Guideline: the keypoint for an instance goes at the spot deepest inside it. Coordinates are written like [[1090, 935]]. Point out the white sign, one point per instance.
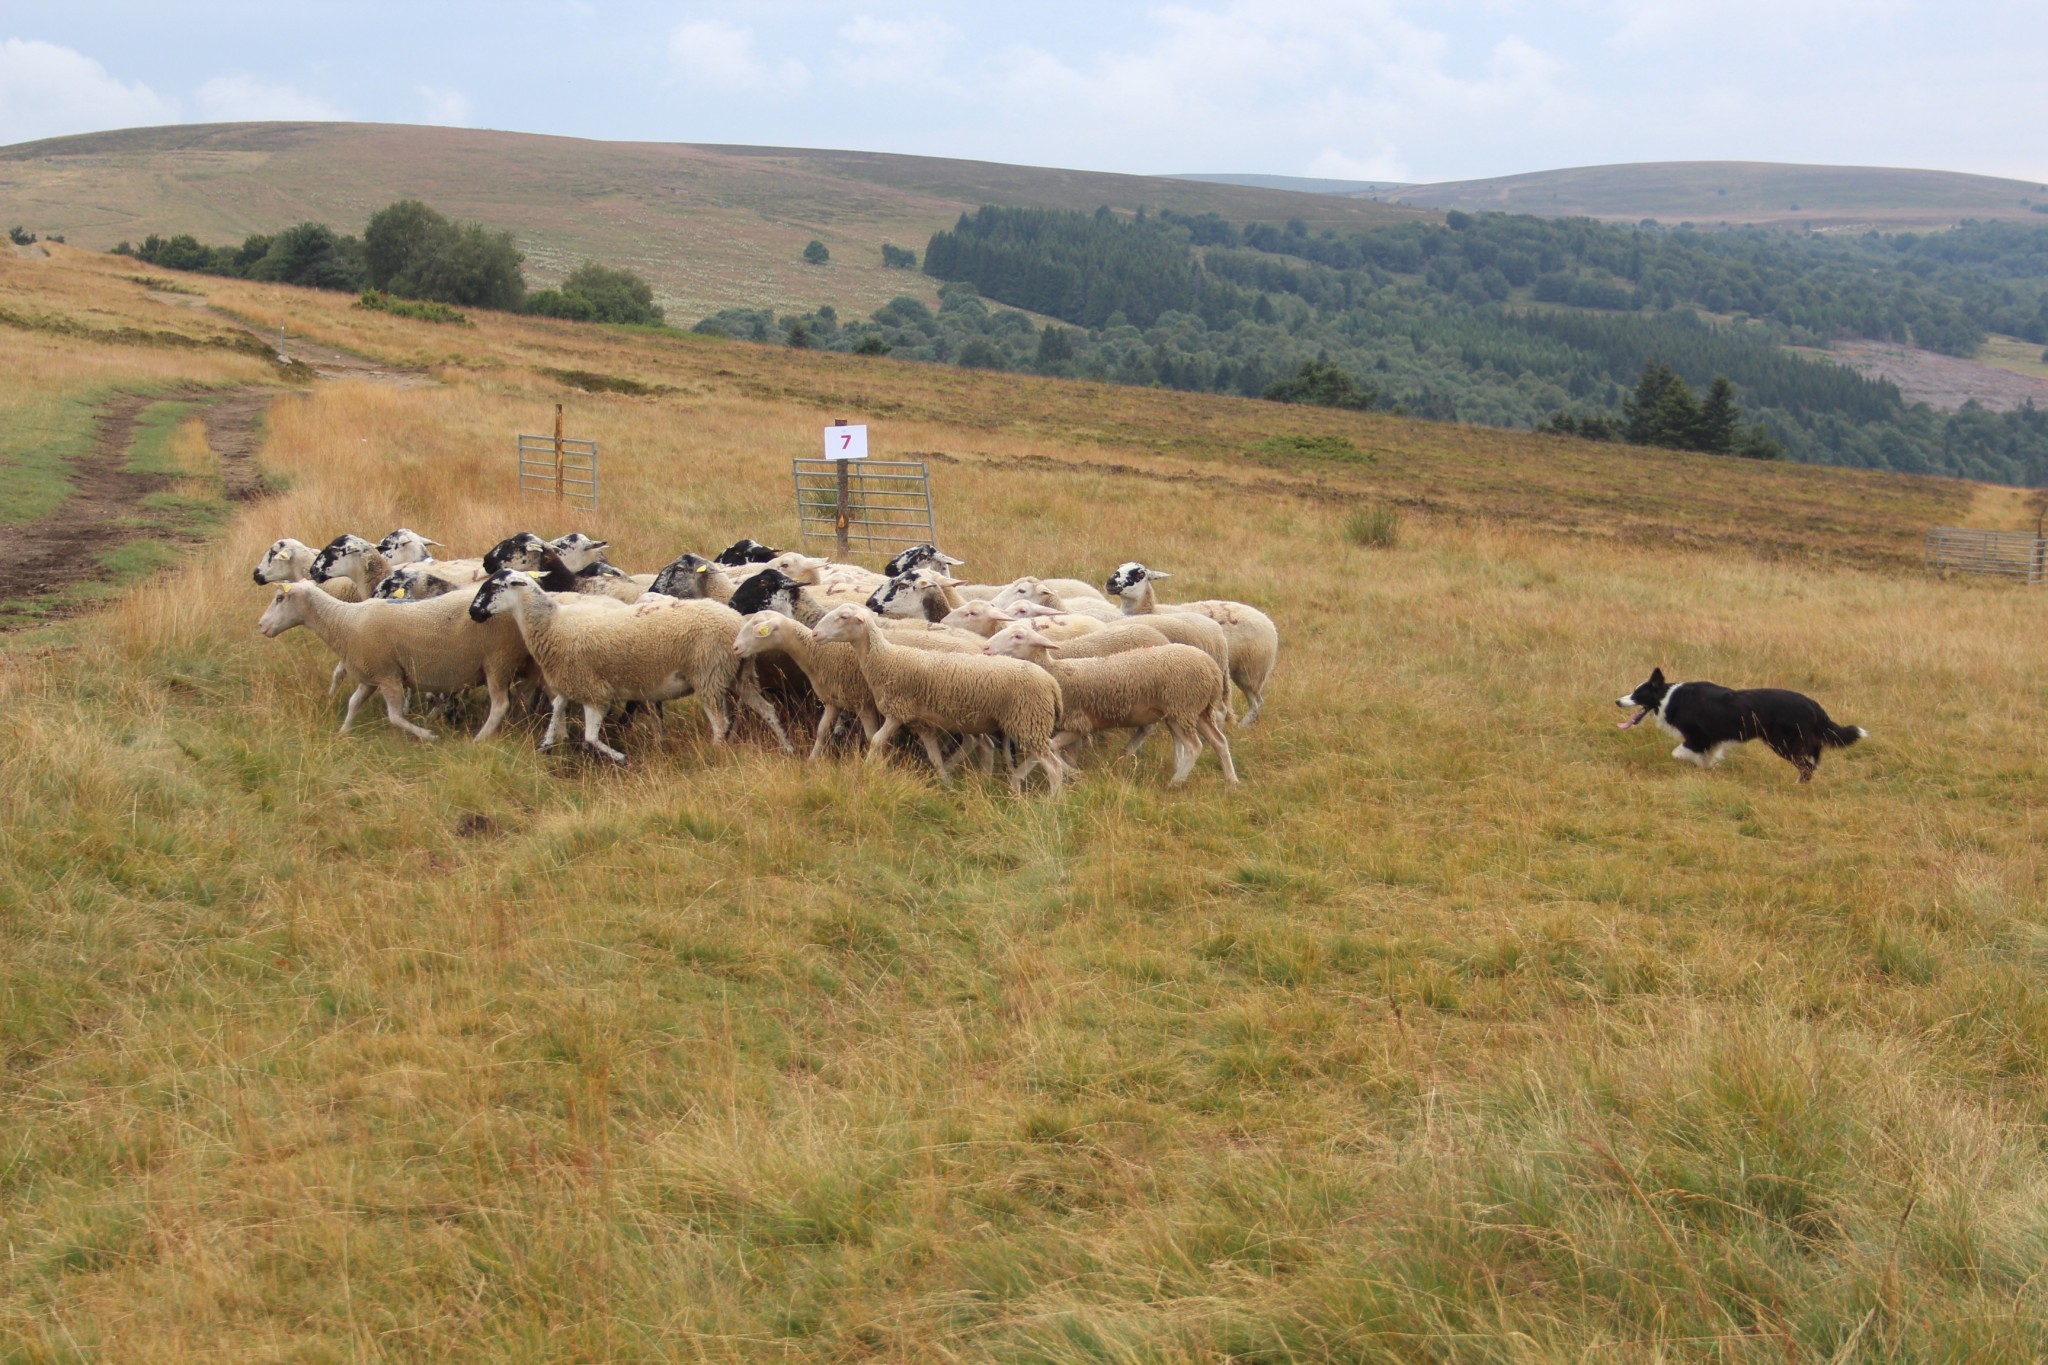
[[846, 443]]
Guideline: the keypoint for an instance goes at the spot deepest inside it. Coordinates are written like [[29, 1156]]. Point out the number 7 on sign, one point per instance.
[[846, 443]]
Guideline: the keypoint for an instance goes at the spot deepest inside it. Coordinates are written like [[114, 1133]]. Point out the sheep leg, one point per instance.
[[825, 724], [1186, 749], [1137, 740], [1221, 743], [878, 742], [394, 711], [751, 698], [501, 702], [715, 714], [1055, 772], [556, 714], [937, 755], [593, 731], [355, 702], [340, 672], [1258, 702]]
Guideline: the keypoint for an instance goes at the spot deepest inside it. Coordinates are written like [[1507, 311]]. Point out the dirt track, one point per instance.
[[61, 551]]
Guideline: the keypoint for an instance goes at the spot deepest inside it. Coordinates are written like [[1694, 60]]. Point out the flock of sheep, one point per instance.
[[1029, 669]]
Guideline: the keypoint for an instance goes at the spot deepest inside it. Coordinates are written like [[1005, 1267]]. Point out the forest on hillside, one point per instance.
[[1503, 319]]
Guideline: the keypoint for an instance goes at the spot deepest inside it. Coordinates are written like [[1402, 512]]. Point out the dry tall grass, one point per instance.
[[1468, 1029]]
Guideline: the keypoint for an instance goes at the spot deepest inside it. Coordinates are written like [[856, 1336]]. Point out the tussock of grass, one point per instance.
[[1468, 1029], [1377, 528]]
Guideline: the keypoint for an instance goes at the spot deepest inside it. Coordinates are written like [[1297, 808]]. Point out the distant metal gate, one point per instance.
[[888, 502], [2008, 554], [560, 468]]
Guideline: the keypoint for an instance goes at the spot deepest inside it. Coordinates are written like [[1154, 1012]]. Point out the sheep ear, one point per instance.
[[435, 543], [948, 559], [1154, 573]]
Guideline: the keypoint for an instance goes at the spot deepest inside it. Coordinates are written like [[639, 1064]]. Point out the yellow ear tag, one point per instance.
[[399, 594], [703, 568], [764, 630]]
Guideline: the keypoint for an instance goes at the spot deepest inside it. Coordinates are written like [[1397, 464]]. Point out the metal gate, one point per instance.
[[561, 468], [2009, 554], [888, 502]]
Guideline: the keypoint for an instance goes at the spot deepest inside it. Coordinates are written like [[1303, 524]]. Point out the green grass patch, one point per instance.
[[421, 310], [591, 382], [1338, 449], [1375, 528], [150, 452], [37, 446]]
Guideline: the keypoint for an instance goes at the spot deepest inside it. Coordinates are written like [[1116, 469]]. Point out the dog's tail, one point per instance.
[[1841, 736]]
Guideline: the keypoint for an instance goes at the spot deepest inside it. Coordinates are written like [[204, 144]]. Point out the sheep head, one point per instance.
[[502, 592]]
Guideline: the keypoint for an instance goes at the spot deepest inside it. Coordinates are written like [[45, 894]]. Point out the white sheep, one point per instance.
[[833, 670], [985, 619], [654, 650], [291, 561], [1254, 640], [387, 647], [963, 695], [1039, 591], [407, 546], [1116, 638], [1177, 686]]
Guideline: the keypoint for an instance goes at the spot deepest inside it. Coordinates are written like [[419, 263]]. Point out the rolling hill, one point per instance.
[[710, 227], [1467, 1020], [1713, 193]]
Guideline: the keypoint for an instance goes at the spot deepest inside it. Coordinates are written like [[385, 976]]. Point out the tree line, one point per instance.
[[1186, 303], [411, 251]]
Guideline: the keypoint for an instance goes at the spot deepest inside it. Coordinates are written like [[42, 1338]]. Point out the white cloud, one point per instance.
[[47, 91], [1318, 86], [244, 99], [720, 56], [894, 51], [449, 108]]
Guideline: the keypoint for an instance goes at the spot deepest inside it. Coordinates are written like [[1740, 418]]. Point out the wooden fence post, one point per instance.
[[558, 453], [839, 521]]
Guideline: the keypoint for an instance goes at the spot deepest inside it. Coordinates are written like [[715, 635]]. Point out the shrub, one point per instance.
[[979, 354], [614, 295], [815, 252], [556, 303], [1322, 383], [898, 258], [872, 344], [1337, 448], [424, 310], [20, 236], [1375, 528]]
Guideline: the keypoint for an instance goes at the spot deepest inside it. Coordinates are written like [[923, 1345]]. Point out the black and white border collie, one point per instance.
[[1709, 719]]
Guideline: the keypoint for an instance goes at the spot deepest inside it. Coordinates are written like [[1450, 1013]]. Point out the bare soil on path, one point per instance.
[[61, 551]]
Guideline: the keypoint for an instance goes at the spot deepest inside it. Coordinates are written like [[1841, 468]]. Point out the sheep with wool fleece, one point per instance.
[[656, 649], [958, 694], [833, 670], [1254, 639], [1116, 638], [1177, 686], [388, 647], [407, 546], [690, 577], [985, 619], [1039, 592]]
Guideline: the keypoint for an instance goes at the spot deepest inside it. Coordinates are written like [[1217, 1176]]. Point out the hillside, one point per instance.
[[1711, 193], [1467, 1019], [710, 227]]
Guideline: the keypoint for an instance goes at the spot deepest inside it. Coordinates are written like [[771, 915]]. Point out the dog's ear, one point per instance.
[[1657, 677]]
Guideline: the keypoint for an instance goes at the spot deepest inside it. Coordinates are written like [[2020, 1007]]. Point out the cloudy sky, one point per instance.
[[1363, 89]]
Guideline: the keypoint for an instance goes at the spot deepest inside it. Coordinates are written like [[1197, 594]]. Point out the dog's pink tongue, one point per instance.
[[1633, 721]]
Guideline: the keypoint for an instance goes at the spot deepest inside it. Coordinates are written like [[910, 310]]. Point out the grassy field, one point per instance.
[[1715, 192], [1468, 1029], [709, 227]]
